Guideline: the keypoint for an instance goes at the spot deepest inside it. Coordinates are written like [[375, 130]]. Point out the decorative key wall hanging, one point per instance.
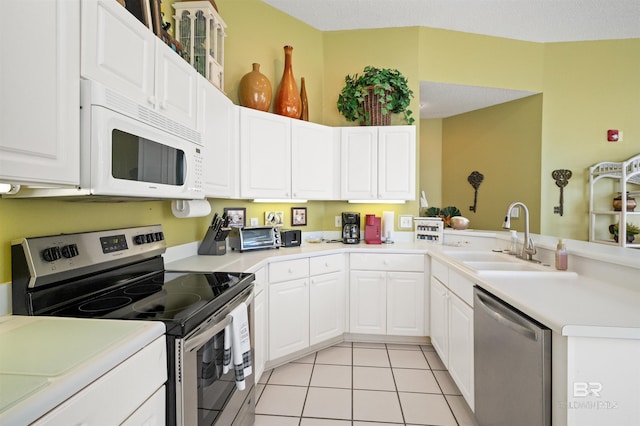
[[475, 179], [561, 176]]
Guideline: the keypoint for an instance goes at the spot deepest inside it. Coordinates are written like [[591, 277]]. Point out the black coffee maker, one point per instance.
[[350, 228]]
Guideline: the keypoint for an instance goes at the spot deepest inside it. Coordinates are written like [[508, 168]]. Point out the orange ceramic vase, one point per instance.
[[304, 102], [287, 100], [255, 90]]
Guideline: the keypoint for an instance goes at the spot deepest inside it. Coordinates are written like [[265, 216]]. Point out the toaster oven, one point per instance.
[[254, 238]]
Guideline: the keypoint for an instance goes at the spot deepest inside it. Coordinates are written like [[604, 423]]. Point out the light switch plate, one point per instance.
[[405, 222], [254, 221]]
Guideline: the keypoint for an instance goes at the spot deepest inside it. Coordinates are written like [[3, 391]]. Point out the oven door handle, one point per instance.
[[207, 334]]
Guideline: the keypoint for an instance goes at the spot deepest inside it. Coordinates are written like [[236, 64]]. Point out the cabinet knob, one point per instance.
[[291, 270], [152, 100]]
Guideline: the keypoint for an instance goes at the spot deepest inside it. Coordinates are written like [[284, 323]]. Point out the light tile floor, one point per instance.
[[362, 384]]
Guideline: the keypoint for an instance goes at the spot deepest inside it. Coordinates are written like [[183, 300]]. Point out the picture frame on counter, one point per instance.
[[237, 216], [298, 216]]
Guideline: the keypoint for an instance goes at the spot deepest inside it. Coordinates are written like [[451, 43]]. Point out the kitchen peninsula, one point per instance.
[[591, 312]]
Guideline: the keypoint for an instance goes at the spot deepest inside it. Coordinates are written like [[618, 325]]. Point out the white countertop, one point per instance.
[[568, 303], [44, 360]]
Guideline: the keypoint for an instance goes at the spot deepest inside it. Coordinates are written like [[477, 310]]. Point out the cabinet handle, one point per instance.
[[291, 270]]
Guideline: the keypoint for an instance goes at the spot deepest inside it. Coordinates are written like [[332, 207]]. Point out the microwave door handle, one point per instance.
[[206, 335]]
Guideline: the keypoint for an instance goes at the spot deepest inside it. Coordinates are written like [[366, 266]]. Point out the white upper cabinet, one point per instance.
[[124, 55], [359, 163], [397, 163], [378, 163], [286, 158], [265, 155], [315, 159], [218, 122], [40, 92]]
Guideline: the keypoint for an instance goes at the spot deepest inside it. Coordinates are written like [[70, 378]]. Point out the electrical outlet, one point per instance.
[[515, 212], [338, 221], [254, 221], [405, 222]]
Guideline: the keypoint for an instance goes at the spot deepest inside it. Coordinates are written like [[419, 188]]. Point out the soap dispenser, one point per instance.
[[561, 256], [513, 247]]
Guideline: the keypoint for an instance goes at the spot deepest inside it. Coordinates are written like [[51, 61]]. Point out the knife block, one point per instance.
[[212, 246]]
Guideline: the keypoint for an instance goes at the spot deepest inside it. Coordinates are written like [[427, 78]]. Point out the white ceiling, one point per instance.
[[543, 21]]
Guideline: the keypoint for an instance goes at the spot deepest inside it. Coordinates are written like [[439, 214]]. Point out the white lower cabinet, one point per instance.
[[452, 326], [439, 320], [368, 302], [288, 317], [461, 346], [306, 303], [326, 307], [387, 294], [260, 321]]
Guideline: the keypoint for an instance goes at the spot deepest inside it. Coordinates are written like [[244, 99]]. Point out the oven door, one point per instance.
[[204, 395]]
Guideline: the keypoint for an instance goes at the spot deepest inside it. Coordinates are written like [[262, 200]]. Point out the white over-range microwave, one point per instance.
[[128, 150]]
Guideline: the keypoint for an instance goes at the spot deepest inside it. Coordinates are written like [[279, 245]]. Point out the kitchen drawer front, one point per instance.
[[387, 262], [461, 286], [440, 271], [288, 270], [326, 264]]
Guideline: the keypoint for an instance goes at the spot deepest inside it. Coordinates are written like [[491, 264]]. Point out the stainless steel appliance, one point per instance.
[[512, 355], [350, 228], [291, 237], [119, 274], [129, 150], [254, 238]]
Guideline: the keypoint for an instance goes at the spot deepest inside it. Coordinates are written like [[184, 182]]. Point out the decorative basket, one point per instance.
[[372, 107]]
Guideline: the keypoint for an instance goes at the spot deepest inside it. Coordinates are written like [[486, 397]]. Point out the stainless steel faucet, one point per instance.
[[528, 248]]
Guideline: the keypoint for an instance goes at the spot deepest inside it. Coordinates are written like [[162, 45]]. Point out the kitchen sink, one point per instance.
[[497, 263], [506, 266], [481, 256]]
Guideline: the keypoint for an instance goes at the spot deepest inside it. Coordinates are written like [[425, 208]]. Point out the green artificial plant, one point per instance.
[[390, 84]]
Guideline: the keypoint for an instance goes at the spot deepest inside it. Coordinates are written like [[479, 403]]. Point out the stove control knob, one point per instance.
[[150, 238], [70, 251], [50, 254], [159, 236], [140, 239]]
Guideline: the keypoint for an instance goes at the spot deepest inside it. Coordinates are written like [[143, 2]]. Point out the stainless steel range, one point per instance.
[[120, 274]]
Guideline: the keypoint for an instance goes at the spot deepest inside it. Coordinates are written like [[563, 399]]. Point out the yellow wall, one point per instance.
[[463, 58], [589, 87], [502, 143]]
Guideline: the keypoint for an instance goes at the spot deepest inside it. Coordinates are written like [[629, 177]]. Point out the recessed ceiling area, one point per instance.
[[442, 100], [542, 21]]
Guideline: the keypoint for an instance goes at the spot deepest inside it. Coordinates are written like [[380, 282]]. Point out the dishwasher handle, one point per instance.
[[497, 311]]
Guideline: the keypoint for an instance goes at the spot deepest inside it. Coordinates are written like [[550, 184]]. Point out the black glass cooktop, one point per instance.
[[176, 298]]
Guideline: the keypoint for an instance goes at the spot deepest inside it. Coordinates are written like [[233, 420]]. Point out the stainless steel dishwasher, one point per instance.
[[512, 365]]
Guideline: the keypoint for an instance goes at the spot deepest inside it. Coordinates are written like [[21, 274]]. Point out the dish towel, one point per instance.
[[237, 345]]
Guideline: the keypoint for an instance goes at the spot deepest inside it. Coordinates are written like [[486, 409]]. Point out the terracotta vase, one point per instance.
[[304, 102], [631, 203], [254, 90], [287, 100]]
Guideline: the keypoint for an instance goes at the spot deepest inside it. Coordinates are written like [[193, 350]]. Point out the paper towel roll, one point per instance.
[[190, 208], [388, 220]]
